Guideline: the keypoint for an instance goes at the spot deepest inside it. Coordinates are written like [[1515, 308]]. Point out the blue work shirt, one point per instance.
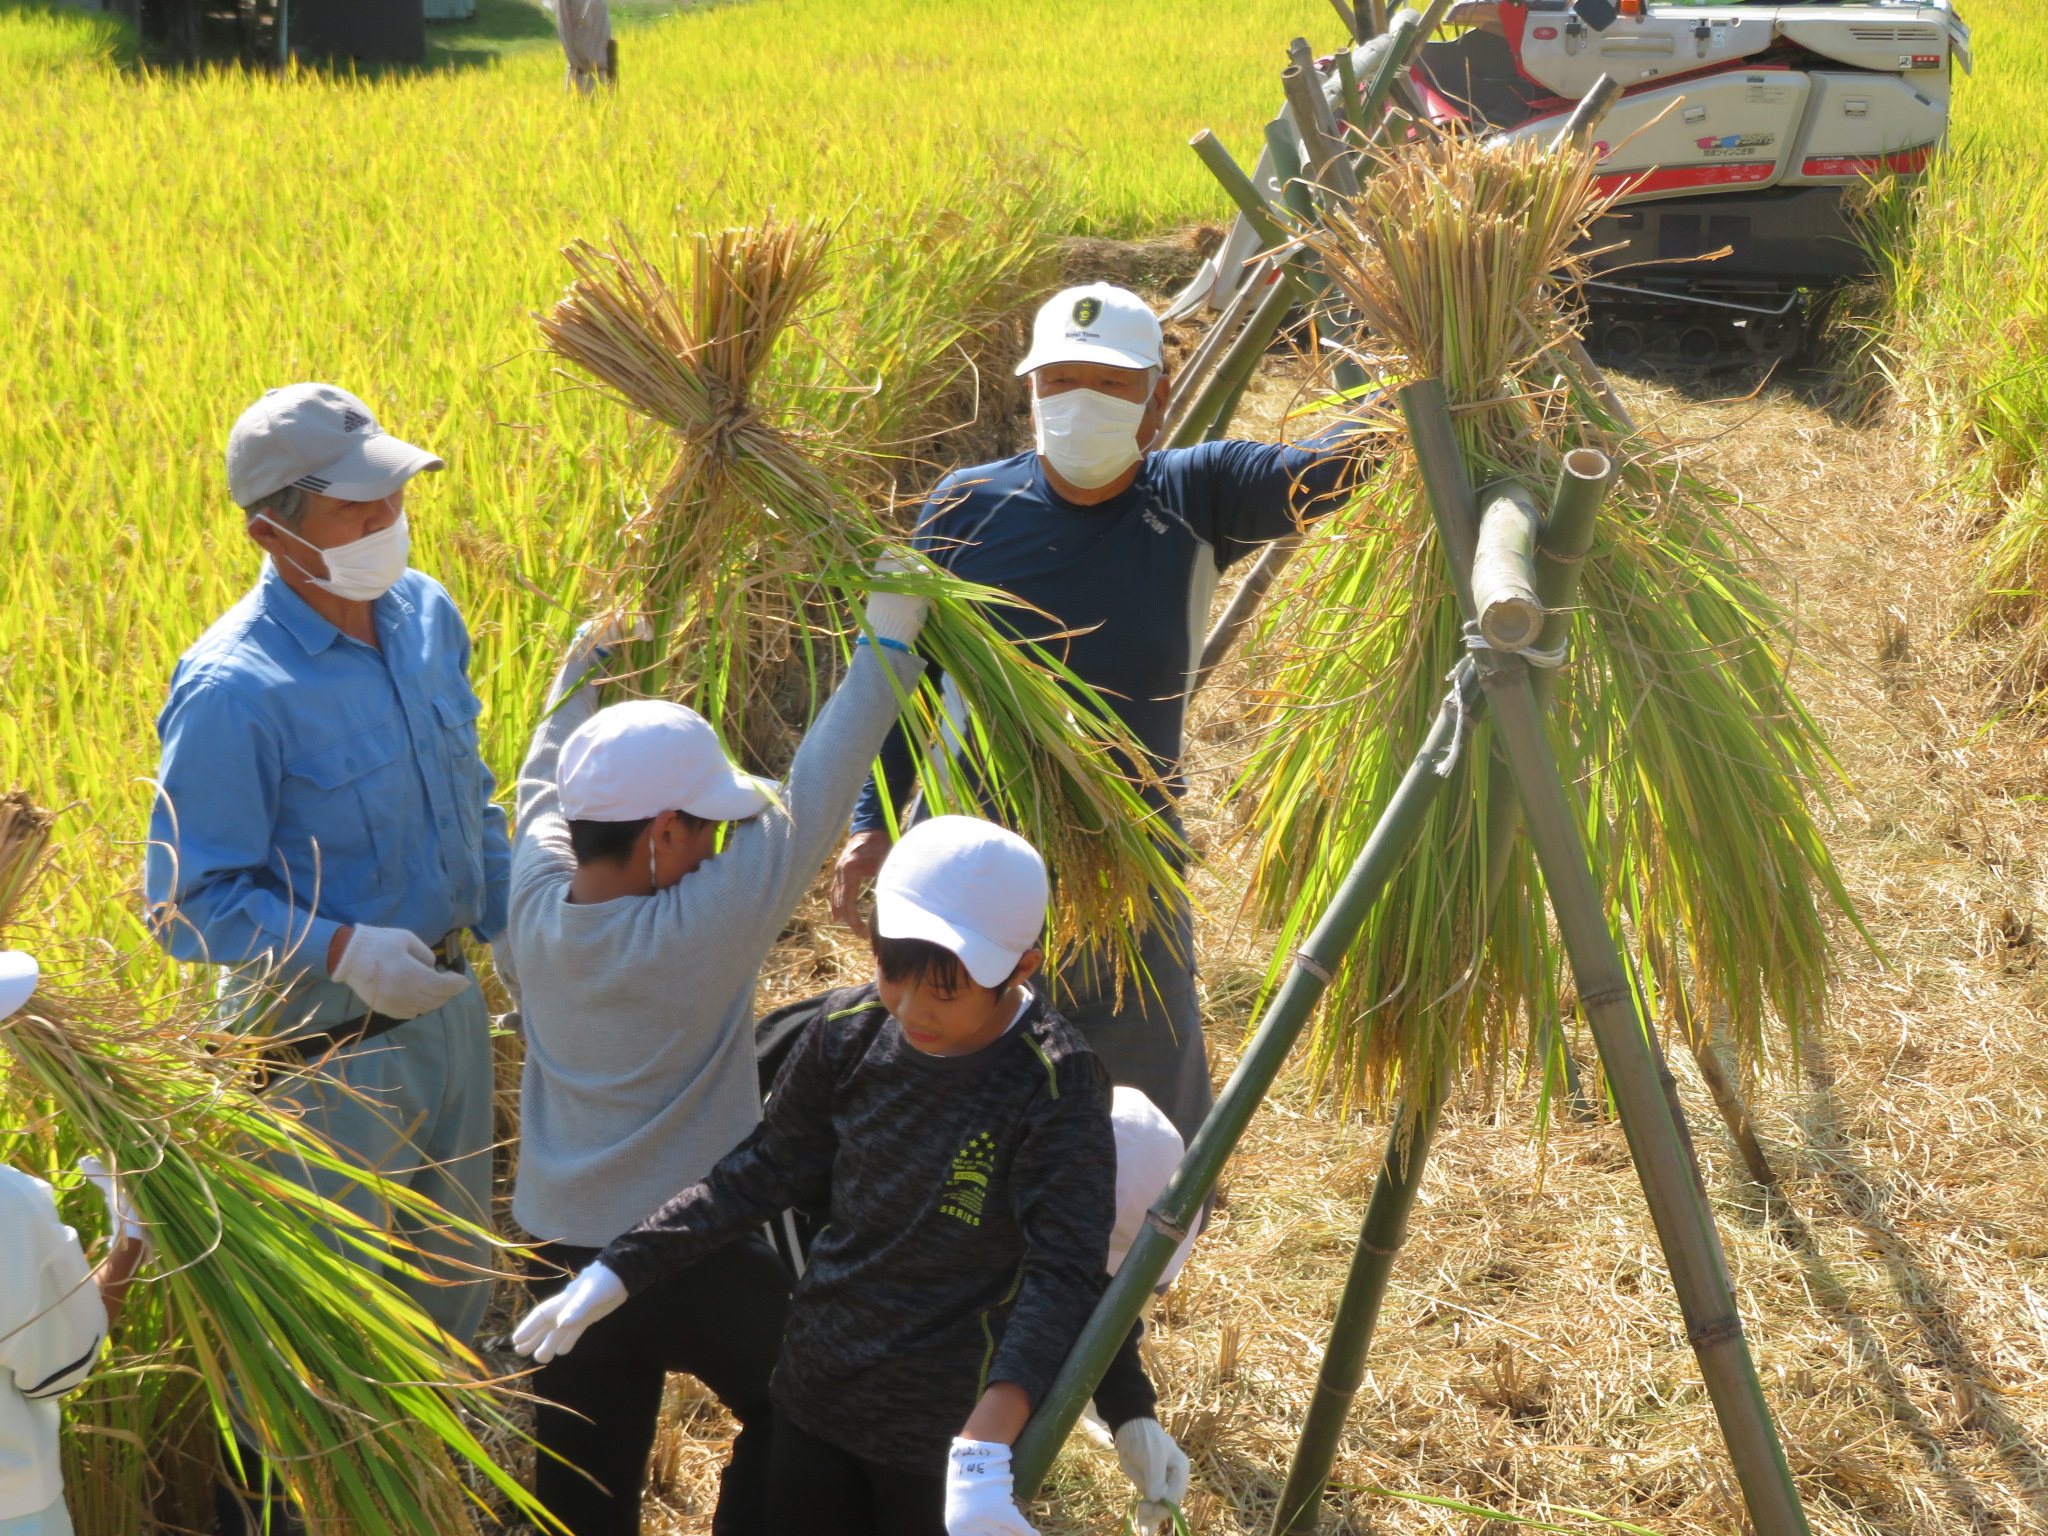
[[1125, 584], [310, 782]]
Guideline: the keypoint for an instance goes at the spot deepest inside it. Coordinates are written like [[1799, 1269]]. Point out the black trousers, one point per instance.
[[820, 1490], [719, 1320]]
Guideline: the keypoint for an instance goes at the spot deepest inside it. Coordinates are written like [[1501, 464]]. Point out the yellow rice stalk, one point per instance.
[[1673, 717], [749, 565]]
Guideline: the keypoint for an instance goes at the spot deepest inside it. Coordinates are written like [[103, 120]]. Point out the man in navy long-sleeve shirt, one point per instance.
[[1120, 548]]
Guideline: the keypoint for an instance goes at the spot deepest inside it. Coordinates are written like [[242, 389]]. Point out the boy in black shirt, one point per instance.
[[956, 1133]]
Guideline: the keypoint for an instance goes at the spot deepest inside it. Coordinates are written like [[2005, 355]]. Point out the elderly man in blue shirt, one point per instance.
[[324, 830]]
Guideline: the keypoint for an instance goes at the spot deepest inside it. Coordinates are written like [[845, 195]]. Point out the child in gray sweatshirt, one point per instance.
[[636, 949]]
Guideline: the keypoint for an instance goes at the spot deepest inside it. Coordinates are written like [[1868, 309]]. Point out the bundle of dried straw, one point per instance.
[[750, 562], [1674, 715]]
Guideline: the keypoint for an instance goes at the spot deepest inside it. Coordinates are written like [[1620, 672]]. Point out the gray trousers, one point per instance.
[[1152, 1041], [413, 1106]]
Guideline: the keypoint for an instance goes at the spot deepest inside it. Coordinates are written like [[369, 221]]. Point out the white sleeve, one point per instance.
[[51, 1321]]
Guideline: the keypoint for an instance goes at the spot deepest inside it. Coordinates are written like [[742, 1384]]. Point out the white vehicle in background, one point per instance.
[[1741, 129]]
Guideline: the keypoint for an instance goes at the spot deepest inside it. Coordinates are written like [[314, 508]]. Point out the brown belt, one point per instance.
[[448, 956]]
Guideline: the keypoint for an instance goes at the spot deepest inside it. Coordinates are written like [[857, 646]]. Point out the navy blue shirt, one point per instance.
[[1131, 577]]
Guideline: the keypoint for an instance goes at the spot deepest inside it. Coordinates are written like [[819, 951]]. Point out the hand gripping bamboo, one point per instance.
[[1607, 993]]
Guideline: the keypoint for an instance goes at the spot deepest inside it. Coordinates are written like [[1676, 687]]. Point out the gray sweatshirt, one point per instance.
[[639, 1012]]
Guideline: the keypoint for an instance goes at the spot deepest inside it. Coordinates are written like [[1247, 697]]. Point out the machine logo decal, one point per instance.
[[1723, 144]]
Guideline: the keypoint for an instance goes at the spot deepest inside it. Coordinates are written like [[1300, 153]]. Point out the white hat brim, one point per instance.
[[18, 974], [371, 470], [898, 917], [1084, 352], [737, 799]]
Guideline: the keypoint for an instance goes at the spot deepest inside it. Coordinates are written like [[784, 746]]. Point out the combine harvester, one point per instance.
[[1739, 129]]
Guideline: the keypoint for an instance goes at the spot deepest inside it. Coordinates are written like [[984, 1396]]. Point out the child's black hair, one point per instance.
[[921, 961], [608, 842]]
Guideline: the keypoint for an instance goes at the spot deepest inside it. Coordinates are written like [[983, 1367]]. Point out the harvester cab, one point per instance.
[[1742, 129]]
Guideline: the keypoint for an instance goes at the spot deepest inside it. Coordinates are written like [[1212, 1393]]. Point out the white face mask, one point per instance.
[[361, 571], [1089, 437]]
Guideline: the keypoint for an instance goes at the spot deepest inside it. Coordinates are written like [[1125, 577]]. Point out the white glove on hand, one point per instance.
[[1157, 1468], [592, 645], [553, 1327], [895, 615], [978, 1492], [122, 1226], [392, 971]]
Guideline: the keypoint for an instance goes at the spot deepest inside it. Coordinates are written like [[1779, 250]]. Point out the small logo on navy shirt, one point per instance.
[[1152, 521]]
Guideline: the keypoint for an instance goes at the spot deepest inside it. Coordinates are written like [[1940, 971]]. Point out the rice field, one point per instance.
[[179, 243], [1963, 337]]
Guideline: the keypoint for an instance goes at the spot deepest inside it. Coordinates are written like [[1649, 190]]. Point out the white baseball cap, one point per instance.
[[1148, 1150], [1095, 323], [318, 438], [18, 973], [968, 886], [638, 759]]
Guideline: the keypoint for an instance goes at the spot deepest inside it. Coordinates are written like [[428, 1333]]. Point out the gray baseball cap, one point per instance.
[[319, 438]]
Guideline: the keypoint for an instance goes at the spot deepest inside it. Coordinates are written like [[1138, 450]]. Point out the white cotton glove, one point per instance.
[[122, 1225], [979, 1499], [553, 1327], [895, 615], [392, 971], [1157, 1468]]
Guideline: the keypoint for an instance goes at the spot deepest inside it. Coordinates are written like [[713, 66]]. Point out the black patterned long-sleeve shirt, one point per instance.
[[968, 1202]]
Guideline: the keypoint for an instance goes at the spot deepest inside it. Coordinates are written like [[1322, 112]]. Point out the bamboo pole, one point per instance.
[[1503, 582], [1250, 201], [1608, 994], [1349, 17], [1358, 1314], [1568, 530], [1577, 132], [1219, 396], [1328, 166], [1283, 148], [1199, 365], [1173, 1214], [1243, 606]]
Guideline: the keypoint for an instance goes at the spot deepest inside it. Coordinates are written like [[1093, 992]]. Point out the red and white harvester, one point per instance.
[[1740, 129]]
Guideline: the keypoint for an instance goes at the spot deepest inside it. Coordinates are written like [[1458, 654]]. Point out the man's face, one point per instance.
[[329, 523], [1123, 383]]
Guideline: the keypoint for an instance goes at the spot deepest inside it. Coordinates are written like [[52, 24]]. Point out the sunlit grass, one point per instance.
[[178, 243]]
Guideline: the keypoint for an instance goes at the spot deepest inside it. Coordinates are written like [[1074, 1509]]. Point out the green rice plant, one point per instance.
[[246, 1323], [1959, 330], [178, 242], [748, 566], [1674, 717]]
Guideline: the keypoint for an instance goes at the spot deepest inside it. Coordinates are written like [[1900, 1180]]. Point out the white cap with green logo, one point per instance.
[[1095, 323]]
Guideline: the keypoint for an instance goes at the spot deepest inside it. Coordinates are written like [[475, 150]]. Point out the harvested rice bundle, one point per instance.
[[367, 1412], [749, 563], [1673, 715]]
